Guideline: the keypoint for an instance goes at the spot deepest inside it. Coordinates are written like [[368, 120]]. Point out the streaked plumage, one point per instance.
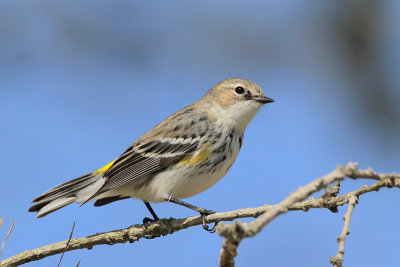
[[182, 156]]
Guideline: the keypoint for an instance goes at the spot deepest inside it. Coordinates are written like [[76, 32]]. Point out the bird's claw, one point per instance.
[[147, 220], [204, 215]]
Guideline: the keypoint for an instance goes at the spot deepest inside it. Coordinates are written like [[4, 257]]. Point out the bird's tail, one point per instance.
[[77, 190]]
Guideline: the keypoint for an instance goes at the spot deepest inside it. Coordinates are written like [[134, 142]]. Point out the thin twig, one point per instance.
[[8, 234], [66, 245], [337, 261], [1, 223]]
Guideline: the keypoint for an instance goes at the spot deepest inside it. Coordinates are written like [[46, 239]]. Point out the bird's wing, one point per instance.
[[154, 152], [149, 158]]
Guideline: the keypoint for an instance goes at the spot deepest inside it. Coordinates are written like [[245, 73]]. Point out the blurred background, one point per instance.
[[81, 80]]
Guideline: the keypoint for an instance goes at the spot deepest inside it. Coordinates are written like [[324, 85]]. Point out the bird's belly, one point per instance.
[[198, 179], [199, 182]]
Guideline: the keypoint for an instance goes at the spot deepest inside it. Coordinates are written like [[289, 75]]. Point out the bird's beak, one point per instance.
[[263, 100]]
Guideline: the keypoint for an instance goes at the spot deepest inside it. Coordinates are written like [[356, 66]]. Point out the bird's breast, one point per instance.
[[196, 178]]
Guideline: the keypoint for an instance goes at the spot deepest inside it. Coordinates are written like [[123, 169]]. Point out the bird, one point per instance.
[[182, 156]]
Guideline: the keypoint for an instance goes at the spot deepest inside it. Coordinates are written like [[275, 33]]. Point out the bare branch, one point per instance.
[[8, 234], [235, 232], [230, 245], [337, 261], [231, 232], [69, 240]]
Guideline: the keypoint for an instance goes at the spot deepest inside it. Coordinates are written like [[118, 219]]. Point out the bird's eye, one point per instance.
[[239, 90]]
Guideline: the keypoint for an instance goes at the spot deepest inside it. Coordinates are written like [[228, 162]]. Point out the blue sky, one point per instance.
[[80, 81]]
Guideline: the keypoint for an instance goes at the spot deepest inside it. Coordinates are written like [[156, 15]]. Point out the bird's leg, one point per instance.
[[155, 217], [147, 220], [203, 212]]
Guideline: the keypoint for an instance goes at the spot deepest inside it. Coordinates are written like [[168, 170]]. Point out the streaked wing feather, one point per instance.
[[138, 162], [130, 172]]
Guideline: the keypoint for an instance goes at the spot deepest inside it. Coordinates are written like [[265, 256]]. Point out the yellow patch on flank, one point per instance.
[[198, 157], [104, 169]]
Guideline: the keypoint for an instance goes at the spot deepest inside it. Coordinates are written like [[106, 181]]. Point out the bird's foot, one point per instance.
[[146, 222], [204, 213]]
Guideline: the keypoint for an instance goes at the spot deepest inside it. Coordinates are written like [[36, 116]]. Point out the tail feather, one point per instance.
[[48, 207], [61, 189], [108, 200], [76, 190]]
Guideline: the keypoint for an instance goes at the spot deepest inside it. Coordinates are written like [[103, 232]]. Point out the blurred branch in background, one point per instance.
[[361, 37], [237, 231]]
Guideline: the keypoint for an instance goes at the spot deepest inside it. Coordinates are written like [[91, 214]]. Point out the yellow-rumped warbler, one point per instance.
[[182, 156]]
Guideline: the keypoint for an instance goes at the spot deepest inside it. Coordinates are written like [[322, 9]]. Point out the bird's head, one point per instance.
[[236, 101]]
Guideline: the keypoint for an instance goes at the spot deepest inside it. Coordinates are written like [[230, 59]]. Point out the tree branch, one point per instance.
[[8, 234], [337, 261], [235, 232]]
